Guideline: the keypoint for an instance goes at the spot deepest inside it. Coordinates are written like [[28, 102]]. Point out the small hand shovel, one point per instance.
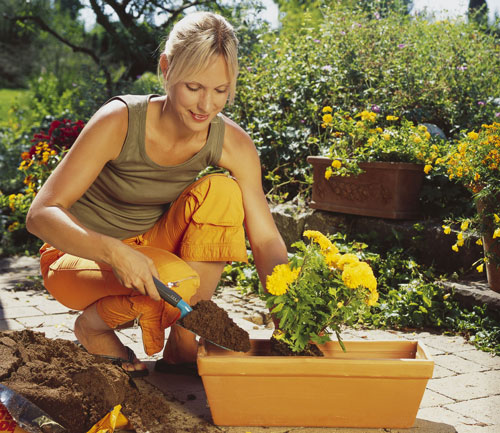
[[174, 299]]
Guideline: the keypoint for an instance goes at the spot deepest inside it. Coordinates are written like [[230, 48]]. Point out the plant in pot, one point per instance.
[[474, 161], [372, 165], [312, 297], [316, 293]]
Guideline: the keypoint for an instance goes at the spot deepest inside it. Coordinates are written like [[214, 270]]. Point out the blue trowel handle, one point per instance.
[[173, 298]]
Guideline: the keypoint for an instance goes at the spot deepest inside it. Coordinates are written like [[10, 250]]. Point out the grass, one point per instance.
[[9, 97]]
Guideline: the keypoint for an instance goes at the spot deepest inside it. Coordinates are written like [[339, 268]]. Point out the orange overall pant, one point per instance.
[[205, 223]]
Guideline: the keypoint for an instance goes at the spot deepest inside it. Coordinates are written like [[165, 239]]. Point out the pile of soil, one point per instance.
[[213, 323], [279, 348], [77, 389]]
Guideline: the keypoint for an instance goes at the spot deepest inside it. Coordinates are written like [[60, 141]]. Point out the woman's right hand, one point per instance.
[[134, 270]]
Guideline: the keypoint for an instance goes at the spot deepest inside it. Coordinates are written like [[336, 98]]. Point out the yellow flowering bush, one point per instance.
[[367, 136], [474, 161], [318, 291]]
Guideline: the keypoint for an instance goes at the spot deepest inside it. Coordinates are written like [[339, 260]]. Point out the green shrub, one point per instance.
[[444, 73]]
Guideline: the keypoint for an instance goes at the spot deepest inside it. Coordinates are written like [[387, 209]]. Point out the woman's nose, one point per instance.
[[205, 101]]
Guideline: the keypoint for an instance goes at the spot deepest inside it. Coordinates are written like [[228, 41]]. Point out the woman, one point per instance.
[[123, 206]]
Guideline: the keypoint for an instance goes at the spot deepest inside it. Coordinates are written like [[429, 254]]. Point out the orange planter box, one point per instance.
[[374, 384]]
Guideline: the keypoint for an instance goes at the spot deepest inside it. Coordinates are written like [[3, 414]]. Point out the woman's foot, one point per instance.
[[99, 339]]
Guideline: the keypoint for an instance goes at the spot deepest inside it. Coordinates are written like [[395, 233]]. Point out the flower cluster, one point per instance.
[[475, 159], [37, 164], [318, 291], [367, 136], [474, 162]]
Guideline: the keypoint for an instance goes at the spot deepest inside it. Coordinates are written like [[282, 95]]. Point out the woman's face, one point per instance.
[[199, 98]]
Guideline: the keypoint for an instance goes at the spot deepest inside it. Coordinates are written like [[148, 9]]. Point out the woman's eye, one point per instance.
[[192, 88], [221, 90]]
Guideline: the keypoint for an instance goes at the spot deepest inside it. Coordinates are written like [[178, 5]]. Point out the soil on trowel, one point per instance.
[[279, 348], [77, 389], [213, 323]]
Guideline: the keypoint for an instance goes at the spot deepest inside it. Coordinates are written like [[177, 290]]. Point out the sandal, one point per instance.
[[184, 368], [116, 360]]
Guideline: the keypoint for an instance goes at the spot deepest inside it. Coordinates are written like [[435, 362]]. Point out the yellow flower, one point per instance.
[[392, 117], [386, 137], [455, 248], [422, 128], [479, 241], [427, 168], [477, 177], [496, 234], [460, 243], [368, 115], [447, 230], [328, 173], [473, 135], [336, 164], [13, 226], [346, 259], [340, 304], [324, 243], [332, 258], [372, 298], [359, 274], [465, 225], [327, 109], [460, 235], [282, 276], [480, 267], [327, 118], [497, 218], [417, 139]]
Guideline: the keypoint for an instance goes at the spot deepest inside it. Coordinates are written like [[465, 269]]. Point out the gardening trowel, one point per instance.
[[26, 414], [174, 299]]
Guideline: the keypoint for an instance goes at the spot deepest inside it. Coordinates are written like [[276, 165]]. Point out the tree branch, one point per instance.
[[77, 49]]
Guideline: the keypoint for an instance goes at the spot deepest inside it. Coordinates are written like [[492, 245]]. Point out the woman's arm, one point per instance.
[[49, 218], [240, 157]]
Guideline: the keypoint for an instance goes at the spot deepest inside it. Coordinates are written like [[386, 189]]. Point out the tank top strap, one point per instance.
[[137, 106]]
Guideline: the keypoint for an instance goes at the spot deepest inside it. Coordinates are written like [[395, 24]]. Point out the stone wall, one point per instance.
[[426, 240]]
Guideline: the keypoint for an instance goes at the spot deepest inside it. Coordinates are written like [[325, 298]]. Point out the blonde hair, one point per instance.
[[193, 44]]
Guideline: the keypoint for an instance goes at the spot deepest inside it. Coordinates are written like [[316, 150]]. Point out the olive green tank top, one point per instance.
[[132, 192]]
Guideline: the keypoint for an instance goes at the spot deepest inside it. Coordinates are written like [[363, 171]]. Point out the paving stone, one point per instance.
[[6, 324], [458, 364], [67, 320], [486, 410], [446, 344], [54, 332], [17, 312], [432, 399], [477, 428], [467, 386], [483, 358], [441, 372], [443, 415]]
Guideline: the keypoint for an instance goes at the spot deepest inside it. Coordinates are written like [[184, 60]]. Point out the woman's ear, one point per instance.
[[164, 65]]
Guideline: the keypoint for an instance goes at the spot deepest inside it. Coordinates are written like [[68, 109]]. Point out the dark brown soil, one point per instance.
[[278, 348], [213, 323], [77, 389]]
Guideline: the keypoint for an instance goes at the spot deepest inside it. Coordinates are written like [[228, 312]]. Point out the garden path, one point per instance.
[[463, 396]]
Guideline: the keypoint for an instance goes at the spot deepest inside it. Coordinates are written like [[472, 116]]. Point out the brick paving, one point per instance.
[[462, 397]]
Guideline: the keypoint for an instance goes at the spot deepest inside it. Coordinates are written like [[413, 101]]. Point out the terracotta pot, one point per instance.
[[375, 384], [490, 246], [384, 190], [492, 269]]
